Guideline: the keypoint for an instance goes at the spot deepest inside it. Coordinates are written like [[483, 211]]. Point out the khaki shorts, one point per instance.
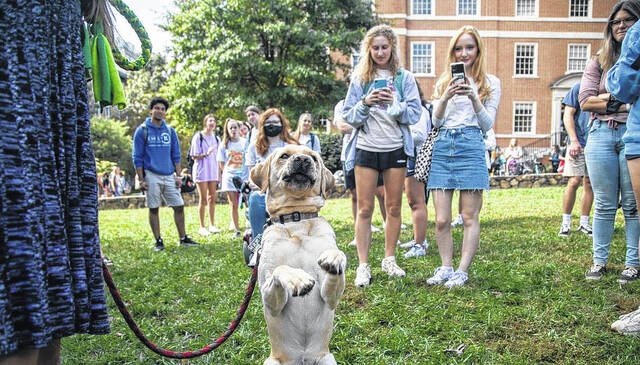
[[575, 166], [162, 186]]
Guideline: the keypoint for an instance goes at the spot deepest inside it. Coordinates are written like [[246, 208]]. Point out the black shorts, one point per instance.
[[350, 178], [381, 160]]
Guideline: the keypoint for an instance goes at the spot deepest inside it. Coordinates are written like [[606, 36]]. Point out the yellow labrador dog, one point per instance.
[[301, 270]]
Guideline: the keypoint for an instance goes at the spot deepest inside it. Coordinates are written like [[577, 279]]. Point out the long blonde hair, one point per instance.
[[477, 72], [298, 131], [610, 47], [225, 134], [365, 70]]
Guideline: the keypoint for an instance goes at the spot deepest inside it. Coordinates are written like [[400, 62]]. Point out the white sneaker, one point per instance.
[[402, 226], [203, 231], [391, 268], [412, 243], [441, 275], [458, 221], [214, 229], [231, 226], [363, 276], [375, 229], [459, 278], [416, 251], [353, 243]]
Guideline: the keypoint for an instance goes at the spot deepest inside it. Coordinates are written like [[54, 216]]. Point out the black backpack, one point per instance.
[[190, 160]]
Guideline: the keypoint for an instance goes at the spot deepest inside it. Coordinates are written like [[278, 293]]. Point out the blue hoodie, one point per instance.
[[162, 150]]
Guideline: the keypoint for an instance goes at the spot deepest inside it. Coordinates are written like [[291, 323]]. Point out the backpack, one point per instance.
[[190, 160], [313, 140]]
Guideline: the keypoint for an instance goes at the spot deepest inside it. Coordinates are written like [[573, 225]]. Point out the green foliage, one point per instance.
[[231, 53], [526, 302], [111, 143], [331, 148], [103, 166]]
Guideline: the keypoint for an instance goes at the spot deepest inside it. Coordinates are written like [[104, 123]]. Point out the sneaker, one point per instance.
[[203, 232], [159, 245], [628, 274], [441, 275], [363, 276], [565, 230], [412, 243], [374, 229], [458, 221], [188, 242], [236, 234], [586, 229], [595, 272], [459, 278], [353, 243], [402, 226], [416, 251], [391, 268], [214, 229], [231, 226]]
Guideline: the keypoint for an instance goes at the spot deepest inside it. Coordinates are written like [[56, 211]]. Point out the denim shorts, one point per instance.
[[350, 178], [381, 160], [458, 161]]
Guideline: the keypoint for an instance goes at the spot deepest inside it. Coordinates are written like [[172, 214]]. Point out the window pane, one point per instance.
[[577, 57], [467, 7], [422, 54], [579, 8], [525, 7], [422, 7], [525, 59], [523, 118]]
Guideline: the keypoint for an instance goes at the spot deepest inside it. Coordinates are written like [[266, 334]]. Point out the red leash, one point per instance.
[[178, 355]]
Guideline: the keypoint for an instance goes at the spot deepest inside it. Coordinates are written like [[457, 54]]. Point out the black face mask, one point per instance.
[[272, 130]]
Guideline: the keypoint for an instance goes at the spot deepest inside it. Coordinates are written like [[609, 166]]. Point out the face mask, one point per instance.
[[272, 130]]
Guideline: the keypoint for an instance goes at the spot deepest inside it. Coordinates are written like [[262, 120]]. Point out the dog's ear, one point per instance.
[[326, 177], [259, 174]]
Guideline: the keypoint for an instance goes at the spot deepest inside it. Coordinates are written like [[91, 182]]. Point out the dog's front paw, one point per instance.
[[333, 261], [295, 281]]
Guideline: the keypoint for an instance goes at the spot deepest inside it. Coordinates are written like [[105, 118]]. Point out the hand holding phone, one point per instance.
[[458, 72], [379, 83]]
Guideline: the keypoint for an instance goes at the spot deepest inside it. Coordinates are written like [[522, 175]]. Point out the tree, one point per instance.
[[111, 143], [232, 53]]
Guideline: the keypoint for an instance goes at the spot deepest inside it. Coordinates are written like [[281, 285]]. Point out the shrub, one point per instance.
[[331, 148]]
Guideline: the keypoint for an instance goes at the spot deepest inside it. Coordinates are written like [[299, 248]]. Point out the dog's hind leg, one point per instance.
[[334, 263], [328, 359], [271, 361], [284, 281]]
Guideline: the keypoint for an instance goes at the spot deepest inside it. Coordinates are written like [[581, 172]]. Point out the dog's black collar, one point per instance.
[[293, 217]]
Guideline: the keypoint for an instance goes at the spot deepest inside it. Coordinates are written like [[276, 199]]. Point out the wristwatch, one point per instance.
[[613, 105]]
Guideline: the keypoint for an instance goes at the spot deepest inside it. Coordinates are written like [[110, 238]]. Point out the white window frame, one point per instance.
[[535, 15], [433, 59], [433, 9], [477, 9], [534, 75], [352, 59], [568, 52], [590, 11], [534, 108]]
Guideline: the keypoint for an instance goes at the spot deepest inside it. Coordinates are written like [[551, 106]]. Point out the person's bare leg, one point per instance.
[[416, 200], [354, 203], [366, 185], [569, 196], [154, 222], [471, 203], [212, 190], [178, 218], [232, 197], [202, 200], [587, 197], [24, 357], [50, 355], [442, 204], [634, 172], [380, 194], [393, 187]]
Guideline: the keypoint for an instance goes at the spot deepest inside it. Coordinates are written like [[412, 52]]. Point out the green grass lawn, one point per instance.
[[526, 302]]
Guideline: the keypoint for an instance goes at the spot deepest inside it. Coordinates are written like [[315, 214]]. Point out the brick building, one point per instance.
[[537, 48]]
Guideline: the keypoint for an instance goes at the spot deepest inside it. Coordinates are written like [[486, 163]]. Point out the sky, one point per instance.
[[151, 13]]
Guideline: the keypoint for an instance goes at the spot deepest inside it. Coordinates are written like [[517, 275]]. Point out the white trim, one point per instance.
[[590, 4], [458, 15], [433, 59], [493, 18], [427, 16], [533, 119], [523, 136], [587, 59], [500, 34], [535, 60], [534, 16]]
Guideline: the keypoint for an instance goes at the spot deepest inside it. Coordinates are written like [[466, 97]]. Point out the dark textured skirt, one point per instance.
[[50, 276]]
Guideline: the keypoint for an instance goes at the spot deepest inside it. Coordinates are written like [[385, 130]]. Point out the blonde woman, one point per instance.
[[464, 110], [303, 133], [381, 103], [206, 174], [230, 157]]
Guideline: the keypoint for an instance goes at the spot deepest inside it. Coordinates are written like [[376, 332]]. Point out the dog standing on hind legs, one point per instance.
[[301, 272]]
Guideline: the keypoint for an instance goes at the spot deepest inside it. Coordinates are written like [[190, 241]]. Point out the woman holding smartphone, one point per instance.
[[381, 117], [464, 110]]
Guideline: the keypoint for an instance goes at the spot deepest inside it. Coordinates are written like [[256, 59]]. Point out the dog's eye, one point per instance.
[[284, 156], [314, 158]]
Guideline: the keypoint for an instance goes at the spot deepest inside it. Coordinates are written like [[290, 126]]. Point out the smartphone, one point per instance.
[[457, 72], [379, 83]]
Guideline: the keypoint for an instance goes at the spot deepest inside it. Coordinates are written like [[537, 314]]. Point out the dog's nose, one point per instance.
[[302, 162]]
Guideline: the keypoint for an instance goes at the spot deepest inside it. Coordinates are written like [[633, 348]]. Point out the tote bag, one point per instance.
[[423, 159]]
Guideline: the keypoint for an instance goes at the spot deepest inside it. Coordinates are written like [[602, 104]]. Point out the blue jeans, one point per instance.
[[610, 179], [257, 212]]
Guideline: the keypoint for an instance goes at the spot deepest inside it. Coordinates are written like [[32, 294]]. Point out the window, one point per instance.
[[468, 7], [524, 117], [526, 59], [422, 58], [579, 8], [577, 57], [526, 8], [422, 7], [354, 60]]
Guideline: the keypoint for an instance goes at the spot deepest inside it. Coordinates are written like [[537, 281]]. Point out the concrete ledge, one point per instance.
[[339, 191]]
